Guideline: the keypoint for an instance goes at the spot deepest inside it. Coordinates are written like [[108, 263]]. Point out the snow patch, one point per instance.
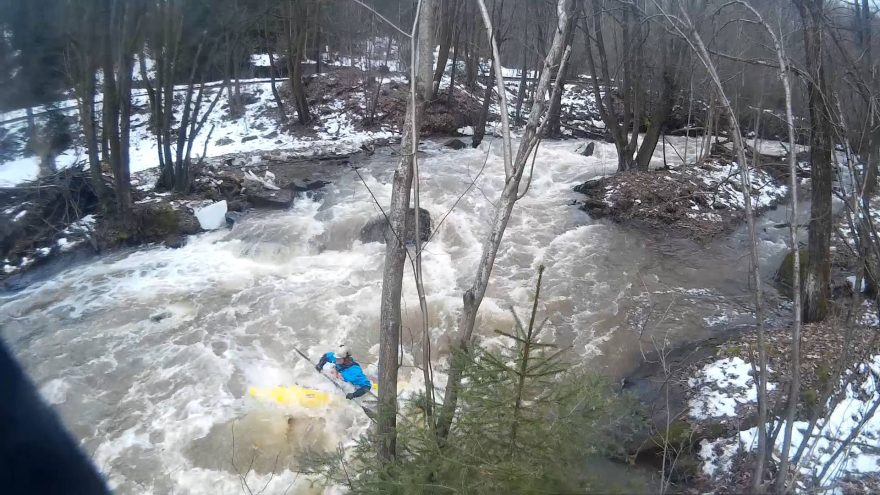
[[722, 386], [213, 216]]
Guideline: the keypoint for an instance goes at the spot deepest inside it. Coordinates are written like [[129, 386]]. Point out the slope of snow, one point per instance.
[[828, 456], [332, 132], [722, 386]]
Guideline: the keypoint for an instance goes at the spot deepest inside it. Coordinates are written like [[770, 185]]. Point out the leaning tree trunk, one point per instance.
[[473, 296], [816, 288], [663, 110], [554, 112], [447, 18], [395, 247], [275, 94]]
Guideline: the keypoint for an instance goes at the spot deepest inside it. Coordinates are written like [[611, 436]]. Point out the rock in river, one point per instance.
[[375, 231], [280, 199]]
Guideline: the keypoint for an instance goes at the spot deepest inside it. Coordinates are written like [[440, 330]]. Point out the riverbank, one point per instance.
[[700, 202], [702, 398]]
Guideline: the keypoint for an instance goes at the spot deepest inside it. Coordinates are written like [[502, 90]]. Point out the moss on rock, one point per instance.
[[785, 274]]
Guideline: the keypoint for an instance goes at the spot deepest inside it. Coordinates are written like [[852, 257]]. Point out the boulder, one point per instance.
[[785, 274], [375, 230], [248, 138], [187, 223], [591, 186], [299, 185], [236, 205], [224, 141], [213, 216], [280, 199], [456, 144], [157, 317], [232, 217], [586, 150]]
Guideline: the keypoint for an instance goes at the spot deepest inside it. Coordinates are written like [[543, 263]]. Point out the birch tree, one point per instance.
[[395, 242], [514, 168]]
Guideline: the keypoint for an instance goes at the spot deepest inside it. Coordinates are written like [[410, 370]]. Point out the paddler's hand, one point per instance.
[[319, 367], [349, 396]]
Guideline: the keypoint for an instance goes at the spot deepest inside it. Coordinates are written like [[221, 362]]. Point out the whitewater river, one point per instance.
[[158, 403]]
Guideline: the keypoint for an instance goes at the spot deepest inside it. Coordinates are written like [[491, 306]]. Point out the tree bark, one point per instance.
[[816, 288], [657, 124], [395, 247], [447, 22], [296, 21], [272, 69], [523, 79], [480, 127], [473, 296]]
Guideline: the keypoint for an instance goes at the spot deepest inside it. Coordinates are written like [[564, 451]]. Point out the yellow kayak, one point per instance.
[[292, 395]]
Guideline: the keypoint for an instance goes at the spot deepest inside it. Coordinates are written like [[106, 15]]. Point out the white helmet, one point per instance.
[[342, 351]]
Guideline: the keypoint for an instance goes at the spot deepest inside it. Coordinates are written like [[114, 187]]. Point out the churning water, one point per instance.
[[158, 404]]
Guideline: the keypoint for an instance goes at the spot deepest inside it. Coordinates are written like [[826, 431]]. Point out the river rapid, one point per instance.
[[147, 354]]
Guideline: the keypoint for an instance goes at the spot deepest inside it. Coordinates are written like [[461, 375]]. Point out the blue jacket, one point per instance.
[[352, 373]]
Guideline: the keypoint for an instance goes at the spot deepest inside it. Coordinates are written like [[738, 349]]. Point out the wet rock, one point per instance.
[[591, 186], [187, 223], [157, 317], [456, 144], [248, 138], [375, 230], [586, 150], [271, 135], [175, 242], [148, 223], [232, 217], [280, 199], [223, 142], [236, 205], [784, 278], [306, 185]]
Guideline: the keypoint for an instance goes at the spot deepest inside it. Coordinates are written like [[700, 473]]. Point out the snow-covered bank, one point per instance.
[[335, 130], [697, 201], [843, 444]]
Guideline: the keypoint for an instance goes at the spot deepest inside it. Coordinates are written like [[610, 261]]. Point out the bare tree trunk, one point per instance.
[[472, 53], [480, 127], [111, 117], [456, 49], [660, 116], [272, 69], [554, 112], [816, 290], [122, 173], [447, 23], [688, 32], [87, 115], [872, 157], [473, 296], [869, 187], [603, 97], [296, 20], [395, 242], [523, 79]]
